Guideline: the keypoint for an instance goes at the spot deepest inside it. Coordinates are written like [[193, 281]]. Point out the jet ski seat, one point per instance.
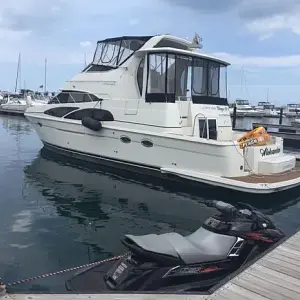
[[200, 246]]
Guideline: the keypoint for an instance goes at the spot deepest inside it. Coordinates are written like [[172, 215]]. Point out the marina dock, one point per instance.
[[274, 276]]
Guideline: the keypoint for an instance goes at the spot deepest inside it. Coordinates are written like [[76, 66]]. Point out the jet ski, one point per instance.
[[171, 262]]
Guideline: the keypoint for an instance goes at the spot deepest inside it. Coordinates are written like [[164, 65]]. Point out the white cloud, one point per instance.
[[267, 27], [85, 44], [260, 61]]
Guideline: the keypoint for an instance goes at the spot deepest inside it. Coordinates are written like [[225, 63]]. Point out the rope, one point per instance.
[[66, 270]]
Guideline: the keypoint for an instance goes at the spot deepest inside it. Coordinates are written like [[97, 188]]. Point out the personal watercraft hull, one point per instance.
[[90, 280], [97, 279]]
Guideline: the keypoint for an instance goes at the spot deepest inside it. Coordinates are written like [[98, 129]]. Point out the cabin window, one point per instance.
[[140, 75], [202, 128], [95, 113], [208, 129], [171, 66], [209, 82], [161, 76], [157, 74], [180, 77], [212, 129], [73, 97], [60, 111], [113, 52], [183, 77]]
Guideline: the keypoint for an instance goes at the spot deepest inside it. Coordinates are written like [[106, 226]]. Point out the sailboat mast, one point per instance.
[[17, 77], [20, 72], [45, 83]]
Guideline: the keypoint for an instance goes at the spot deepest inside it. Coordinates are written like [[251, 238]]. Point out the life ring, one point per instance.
[[257, 136]]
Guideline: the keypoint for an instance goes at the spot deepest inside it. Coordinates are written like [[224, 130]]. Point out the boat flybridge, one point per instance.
[[158, 104]]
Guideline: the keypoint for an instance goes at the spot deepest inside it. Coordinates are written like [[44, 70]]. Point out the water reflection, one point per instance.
[[84, 190], [73, 185], [56, 213], [16, 125]]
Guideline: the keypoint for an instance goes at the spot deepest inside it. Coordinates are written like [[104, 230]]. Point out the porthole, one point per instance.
[[147, 143], [125, 139]]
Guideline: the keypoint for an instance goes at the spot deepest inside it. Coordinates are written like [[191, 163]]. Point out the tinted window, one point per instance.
[[160, 81], [202, 129], [157, 74], [212, 129], [183, 76], [171, 74], [73, 97], [60, 111], [179, 77], [95, 113], [140, 75]]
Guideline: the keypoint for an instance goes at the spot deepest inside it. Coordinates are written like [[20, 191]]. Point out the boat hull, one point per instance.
[[176, 175], [218, 164]]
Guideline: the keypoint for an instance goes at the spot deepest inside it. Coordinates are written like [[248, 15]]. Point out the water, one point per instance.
[[56, 213]]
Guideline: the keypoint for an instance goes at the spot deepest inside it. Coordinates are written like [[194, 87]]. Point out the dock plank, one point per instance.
[[274, 276]]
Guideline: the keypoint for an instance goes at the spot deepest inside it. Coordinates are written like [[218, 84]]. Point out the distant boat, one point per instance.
[[244, 109]]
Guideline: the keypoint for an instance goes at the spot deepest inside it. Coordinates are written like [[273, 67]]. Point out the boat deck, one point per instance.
[[273, 178], [275, 276]]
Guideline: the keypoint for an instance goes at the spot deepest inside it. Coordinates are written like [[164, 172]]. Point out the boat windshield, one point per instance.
[[111, 53], [293, 105], [242, 102], [262, 103], [269, 106]]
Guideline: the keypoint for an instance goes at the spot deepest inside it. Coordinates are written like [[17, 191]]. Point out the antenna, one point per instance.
[[196, 42]]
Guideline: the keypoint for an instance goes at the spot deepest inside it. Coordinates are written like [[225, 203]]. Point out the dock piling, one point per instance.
[[234, 117], [280, 115]]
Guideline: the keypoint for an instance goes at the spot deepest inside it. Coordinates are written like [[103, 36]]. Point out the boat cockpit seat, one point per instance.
[[200, 246]]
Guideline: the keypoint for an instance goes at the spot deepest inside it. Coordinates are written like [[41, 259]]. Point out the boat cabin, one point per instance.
[[243, 104], [158, 81], [266, 105], [292, 107]]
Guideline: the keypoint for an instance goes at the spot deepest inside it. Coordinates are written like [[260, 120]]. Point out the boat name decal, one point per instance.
[[268, 151]]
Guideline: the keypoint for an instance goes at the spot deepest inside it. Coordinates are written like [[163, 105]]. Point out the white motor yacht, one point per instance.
[[14, 104], [268, 109], [17, 104], [244, 109], [291, 110], [158, 105]]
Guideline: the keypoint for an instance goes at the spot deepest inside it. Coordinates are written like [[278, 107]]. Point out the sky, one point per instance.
[[259, 38]]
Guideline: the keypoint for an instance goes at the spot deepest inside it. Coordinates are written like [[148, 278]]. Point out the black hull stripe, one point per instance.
[[99, 157]]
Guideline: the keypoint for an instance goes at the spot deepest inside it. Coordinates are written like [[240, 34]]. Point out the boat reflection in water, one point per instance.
[[83, 192], [83, 212]]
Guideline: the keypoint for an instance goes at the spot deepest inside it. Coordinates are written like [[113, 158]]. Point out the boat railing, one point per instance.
[[194, 123]]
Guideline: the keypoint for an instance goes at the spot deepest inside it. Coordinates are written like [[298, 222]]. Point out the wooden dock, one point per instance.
[[275, 276]]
